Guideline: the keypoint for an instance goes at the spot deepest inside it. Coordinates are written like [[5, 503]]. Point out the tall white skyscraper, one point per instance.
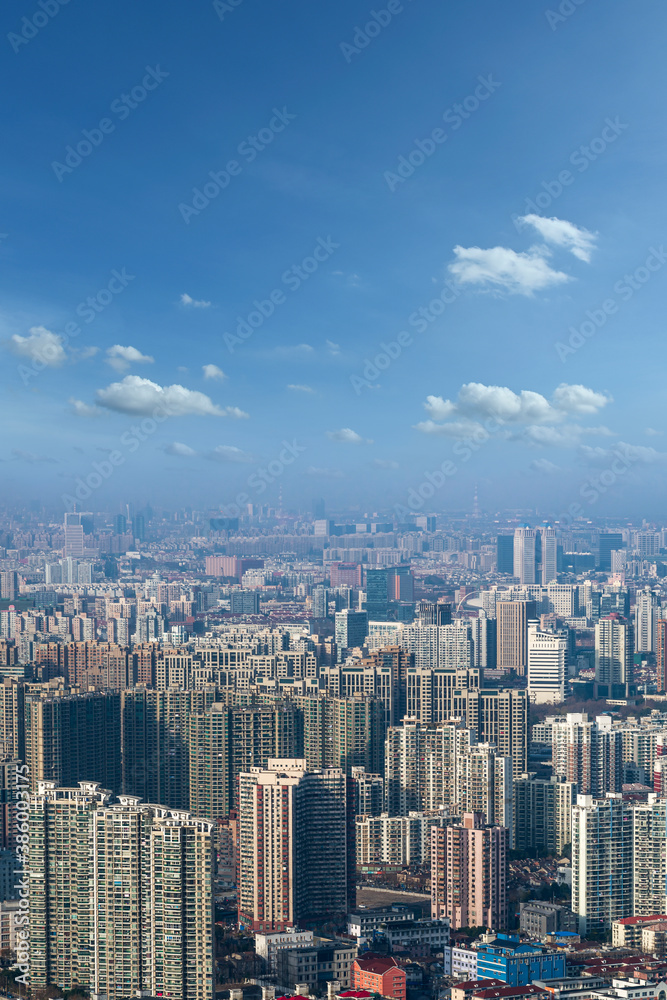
[[525, 554], [547, 665]]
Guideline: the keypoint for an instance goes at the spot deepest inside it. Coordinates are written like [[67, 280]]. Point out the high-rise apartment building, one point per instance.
[[296, 846], [647, 613], [368, 792], [602, 861], [120, 896], [468, 873], [73, 737], [9, 585], [484, 784], [421, 765], [614, 657], [649, 881], [499, 717], [542, 814], [588, 753], [661, 654]]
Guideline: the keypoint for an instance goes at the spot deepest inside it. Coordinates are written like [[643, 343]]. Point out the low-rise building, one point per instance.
[[464, 964], [362, 923], [517, 964], [324, 960], [380, 974], [537, 919], [407, 933], [465, 990], [627, 932], [269, 945]]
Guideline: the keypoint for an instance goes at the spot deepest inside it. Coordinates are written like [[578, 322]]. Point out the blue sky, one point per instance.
[[315, 211]]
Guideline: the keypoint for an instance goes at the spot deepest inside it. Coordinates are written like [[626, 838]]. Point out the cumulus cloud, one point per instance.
[[652, 432], [212, 371], [84, 353], [457, 430], [503, 268], [120, 358], [301, 388], [561, 233], [333, 348], [40, 345], [385, 463], [187, 300], [295, 351], [347, 436], [317, 473], [578, 399], [141, 397], [179, 450], [229, 453], [82, 409], [476, 402]]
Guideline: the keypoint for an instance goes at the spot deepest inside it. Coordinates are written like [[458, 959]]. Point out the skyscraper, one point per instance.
[[468, 873], [351, 629], [512, 619], [377, 594], [120, 896], [505, 554], [296, 847], [547, 665], [525, 554], [548, 554], [73, 536]]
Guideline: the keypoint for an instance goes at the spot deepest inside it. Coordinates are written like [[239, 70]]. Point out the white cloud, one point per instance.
[[187, 300], [501, 267], [565, 436], [476, 401], [179, 450], [458, 430], [40, 345], [141, 397], [229, 453], [579, 399], [385, 463], [544, 466], [347, 436], [318, 473], [333, 348], [652, 432], [635, 454], [212, 371], [301, 388], [120, 358], [83, 409], [84, 353], [292, 350], [561, 233]]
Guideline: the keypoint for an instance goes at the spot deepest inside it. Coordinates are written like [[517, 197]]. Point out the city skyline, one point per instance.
[[389, 248]]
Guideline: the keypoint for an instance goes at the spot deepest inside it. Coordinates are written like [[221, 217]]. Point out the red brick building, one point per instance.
[[379, 974]]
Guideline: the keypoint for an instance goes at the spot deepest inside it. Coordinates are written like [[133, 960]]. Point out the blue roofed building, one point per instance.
[[517, 964]]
